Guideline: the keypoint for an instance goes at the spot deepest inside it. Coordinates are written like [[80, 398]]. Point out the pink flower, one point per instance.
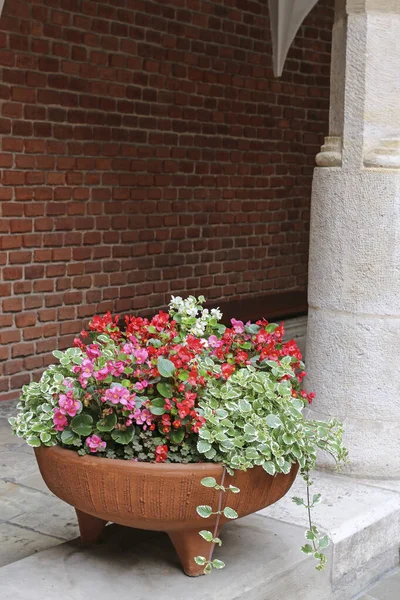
[[68, 405], [83, 381], [141, 355], [60, 421], [215, 342], [101, 374], [128, 348], [238, 326], [86, 368], [115, 368], [141, 385], [95, 443], [93, 351], [118, 394], [142, 417]]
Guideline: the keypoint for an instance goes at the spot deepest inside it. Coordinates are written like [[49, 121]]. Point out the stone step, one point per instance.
[[262, 557], [261, 552]]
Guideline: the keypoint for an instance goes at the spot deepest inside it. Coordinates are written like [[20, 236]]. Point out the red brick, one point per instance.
[[151, 152], [12, 273], [22, 349], [25, 319], [12, 304], [9, 337]]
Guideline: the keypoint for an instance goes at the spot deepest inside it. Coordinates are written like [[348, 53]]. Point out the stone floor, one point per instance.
[[31, 518], [388, 588], [39, 550]]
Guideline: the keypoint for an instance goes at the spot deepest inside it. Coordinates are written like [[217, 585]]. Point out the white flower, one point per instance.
[[176, 302], [216, 313]]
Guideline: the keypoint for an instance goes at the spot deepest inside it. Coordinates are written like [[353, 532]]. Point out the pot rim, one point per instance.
[[120, 463]]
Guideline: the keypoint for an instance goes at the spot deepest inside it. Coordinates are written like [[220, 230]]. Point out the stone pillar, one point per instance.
[[353, 341]]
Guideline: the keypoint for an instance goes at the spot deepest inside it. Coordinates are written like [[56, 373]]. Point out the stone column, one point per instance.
[[353, 341]]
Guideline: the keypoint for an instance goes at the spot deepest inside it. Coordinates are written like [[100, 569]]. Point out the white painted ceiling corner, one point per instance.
[[286, 16]]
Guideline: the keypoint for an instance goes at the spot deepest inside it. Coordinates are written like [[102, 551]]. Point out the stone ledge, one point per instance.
[[362, 519], [261, 552]]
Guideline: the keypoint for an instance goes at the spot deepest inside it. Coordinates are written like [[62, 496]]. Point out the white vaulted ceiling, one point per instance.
[[286, 17]]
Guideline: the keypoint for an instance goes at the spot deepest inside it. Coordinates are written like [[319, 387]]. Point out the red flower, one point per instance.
[[227, 370], [241, 357], [161, 453]]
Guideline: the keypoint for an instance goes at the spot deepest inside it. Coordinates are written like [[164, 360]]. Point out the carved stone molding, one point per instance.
[[386, 155], [331, 153]]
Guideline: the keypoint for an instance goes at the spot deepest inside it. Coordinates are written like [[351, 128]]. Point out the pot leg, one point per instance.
[[188, 544], [90, 528]]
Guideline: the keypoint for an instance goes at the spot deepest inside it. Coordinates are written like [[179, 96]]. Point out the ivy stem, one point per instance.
[[309, 509], [218, 514]]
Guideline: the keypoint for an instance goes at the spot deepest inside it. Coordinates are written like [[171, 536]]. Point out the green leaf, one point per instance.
[[206, 535], [228, 444], [165, 389], [108, 423], [324, 542], [221, 413], [307, 549], [82, 424], [273, 421], [209, 482], [33, 441], [123, 437], [45, 437], [316, 499], [155, 410], [58, 354], [269, 467], [203, 446], [204, 511], [210, 454], [207, 569], [176, 436], [216, 540], [244, 406], [183, 375], [287, 438], [230, 513], [218, 564], [253, 328], [234, 489], [310, 535], [200, 560], [257, 387], [165, 367], [69, 437], [298, 404], [251, 453]]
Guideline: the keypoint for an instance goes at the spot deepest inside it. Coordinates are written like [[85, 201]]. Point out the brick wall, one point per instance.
[[146, 149]]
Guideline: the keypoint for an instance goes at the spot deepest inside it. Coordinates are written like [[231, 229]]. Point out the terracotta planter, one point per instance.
[[158, 497]]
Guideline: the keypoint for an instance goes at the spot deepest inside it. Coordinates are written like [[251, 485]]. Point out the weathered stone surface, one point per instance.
[[262, 556], [388, 588], [15, 500], [8, 409], [353, 337], [362, 521], [17, 466], [17, 543], [53, 517]]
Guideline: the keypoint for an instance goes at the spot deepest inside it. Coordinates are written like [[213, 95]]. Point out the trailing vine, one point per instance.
[[205, 511], [254, 420]]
